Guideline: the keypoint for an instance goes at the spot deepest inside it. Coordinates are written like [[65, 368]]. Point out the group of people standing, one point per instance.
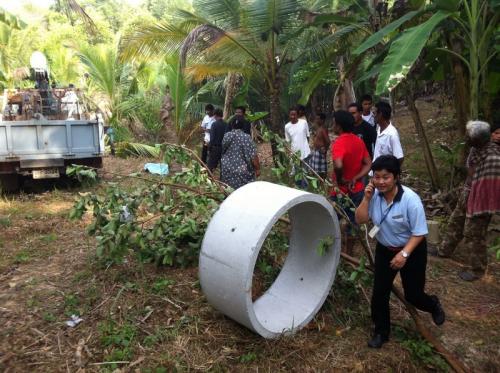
[[368, 145], [367, 157], [231, 146]]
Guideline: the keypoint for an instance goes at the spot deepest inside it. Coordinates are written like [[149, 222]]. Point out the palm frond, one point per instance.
[[272, 16], [320, 19], [223, 13], [188, 20], [338, 41], [72, 6], [178, 89], [213, 86], [155, 40], [233, 48], [200, 38], [101, 65], [314, 81], [127, 149], [199, 72]]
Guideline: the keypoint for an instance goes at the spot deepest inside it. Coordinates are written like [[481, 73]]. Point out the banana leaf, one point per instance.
[[379, 35], [404, 52]]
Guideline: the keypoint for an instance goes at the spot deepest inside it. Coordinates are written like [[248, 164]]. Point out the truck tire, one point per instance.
[[9, 183]]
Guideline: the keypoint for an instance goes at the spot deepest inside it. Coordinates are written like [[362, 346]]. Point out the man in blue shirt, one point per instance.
[[400, 228]]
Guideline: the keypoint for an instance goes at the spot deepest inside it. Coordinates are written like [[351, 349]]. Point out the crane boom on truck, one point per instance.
[[44, 129]]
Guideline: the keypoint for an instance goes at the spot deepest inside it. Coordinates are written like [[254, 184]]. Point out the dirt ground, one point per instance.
[[141, 318]]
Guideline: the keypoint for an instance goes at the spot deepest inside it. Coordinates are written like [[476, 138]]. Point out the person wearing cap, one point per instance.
[[400, 228]]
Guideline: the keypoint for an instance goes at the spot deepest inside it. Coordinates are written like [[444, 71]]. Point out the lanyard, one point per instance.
[[387, 212]]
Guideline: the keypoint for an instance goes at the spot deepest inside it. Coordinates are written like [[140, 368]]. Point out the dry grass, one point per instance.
[[150, 318]]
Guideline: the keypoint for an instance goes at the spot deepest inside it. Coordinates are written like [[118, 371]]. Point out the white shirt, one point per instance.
[[297, 135], [370, 118], [388, 143], [70, 103], [206, 124]]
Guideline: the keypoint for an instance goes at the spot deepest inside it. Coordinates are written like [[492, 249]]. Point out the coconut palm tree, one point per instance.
[[108, 77], [257, 39], [339, 27]]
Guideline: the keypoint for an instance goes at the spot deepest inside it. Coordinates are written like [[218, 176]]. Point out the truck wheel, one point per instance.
[[9, 183]]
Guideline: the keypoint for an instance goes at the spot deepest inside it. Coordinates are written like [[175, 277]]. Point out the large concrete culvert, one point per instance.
[[231, 246]]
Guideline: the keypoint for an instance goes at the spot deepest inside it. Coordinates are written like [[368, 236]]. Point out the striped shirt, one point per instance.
[[484, 197]]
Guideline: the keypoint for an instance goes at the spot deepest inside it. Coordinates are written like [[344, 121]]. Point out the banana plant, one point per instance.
[[477, 22]]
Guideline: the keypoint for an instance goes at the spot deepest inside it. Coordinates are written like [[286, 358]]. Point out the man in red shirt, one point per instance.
[[351, 162]]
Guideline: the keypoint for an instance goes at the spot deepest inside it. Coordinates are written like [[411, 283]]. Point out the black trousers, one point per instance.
[[214, 156], [413, 278], [204, 153]]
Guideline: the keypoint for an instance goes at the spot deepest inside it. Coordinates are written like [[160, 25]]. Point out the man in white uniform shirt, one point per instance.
[[206, 124], [388, 142], [297, 134]]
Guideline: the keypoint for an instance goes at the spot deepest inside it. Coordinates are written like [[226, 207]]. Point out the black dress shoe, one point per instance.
[[377, 341], [438, 315]]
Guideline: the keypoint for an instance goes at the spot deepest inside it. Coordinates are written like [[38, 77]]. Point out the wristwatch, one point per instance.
[[405, 254]]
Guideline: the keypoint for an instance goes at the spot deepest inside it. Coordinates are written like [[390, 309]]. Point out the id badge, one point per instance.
[[373, 232]]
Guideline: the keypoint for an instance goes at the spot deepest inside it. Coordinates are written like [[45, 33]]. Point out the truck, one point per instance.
[[44, 129]]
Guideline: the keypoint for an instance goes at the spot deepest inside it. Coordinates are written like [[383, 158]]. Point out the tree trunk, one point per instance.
[[461, 92], [429, 159], [275, 111], [232, 84], [168, 133], [345, 91], [277, 125]]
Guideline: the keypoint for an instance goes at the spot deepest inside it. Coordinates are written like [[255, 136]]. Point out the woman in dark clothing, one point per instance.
[[240, 162], [400, 228]]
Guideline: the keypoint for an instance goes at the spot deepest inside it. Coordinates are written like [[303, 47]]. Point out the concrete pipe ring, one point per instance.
[[231, 246]]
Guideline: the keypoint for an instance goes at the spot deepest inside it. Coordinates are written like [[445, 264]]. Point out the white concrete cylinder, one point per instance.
[[231, 246]]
